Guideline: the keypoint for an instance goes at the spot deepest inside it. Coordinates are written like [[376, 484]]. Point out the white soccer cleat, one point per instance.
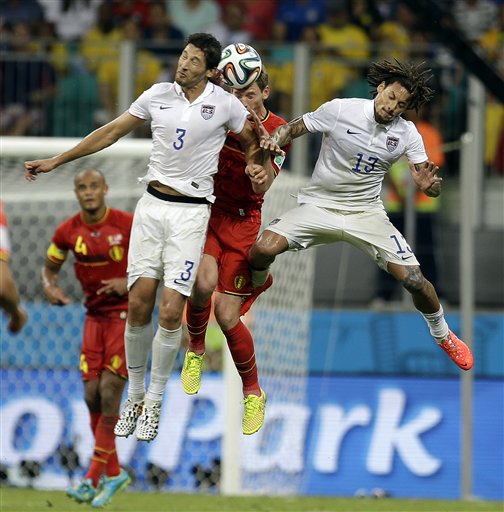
[[127, 422], [148, 422]]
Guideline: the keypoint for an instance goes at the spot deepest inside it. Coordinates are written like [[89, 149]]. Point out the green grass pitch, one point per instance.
[[29, 500]]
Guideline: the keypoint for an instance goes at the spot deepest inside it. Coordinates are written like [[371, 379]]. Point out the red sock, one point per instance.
[[113, 468], [104, 447], [241, 346], [197, 323], [95, 417]]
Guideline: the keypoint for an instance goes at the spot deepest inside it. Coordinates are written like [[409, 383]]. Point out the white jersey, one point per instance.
[[356, 153], [187, 137]]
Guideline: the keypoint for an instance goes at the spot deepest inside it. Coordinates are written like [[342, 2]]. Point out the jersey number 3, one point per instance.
[[186, 275], [179, 143]]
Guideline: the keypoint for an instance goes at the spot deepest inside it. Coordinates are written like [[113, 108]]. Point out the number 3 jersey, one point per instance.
[[356, 153], [187, 137], [100, 252]]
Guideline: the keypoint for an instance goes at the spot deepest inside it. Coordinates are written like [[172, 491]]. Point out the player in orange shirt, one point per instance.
[[234, 224], [9, 295], [98, 237]]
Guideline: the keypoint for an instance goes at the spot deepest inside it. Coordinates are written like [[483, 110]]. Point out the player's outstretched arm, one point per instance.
[[284, 134], [97, 140], [425, 176], [52, 291], [9, 299]]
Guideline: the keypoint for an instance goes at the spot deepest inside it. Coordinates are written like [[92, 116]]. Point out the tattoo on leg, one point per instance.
[[414, 280]]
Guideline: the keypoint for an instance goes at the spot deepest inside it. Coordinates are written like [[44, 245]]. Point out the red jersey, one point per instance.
[[100, 252], [4, 236], [232, 187]]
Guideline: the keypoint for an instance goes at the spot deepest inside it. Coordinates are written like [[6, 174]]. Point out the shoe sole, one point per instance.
[[118, 490], [190, 392], [124, 435], [77, 500], [144, 439], [252, 431]]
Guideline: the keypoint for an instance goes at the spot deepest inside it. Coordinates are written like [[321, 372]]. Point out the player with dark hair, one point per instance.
[[9, 295], [361, 140], [234, 224], [189, 120], [98, 237]]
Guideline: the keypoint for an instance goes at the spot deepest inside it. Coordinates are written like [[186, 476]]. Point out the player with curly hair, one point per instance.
[[361, 140]]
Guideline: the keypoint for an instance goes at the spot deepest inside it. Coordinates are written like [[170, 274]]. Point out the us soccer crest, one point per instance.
[[392, 143], [207, 111]]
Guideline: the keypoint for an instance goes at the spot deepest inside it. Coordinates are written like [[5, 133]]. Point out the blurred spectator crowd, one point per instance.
[[59, 59]]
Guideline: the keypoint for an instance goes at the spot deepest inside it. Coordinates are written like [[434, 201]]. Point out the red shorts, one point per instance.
[[103, 346], [229, 240]]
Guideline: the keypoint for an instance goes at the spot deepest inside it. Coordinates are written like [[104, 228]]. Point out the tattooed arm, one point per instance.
[[284, 134]]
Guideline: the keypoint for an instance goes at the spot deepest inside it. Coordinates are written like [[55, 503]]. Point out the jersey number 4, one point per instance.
[[80, 246]]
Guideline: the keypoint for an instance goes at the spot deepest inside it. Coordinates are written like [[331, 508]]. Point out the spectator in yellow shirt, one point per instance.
[[100, 45], [348, 46], [148, 69]]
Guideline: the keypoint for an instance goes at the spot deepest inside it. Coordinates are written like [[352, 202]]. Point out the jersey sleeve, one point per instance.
[[324, 118], [237, 115], [141, 106], [415, 151]]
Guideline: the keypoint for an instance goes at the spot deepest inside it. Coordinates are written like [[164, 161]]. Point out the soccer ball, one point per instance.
[[240, 65]]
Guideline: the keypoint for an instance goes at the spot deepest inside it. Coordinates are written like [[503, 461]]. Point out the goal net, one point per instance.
[[39, 367]]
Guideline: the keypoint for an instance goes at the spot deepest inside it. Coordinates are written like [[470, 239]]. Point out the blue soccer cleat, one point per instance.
[[110, 485], [82, 493]]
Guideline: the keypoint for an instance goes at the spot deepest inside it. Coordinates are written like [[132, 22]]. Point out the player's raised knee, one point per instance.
[[414, 279]]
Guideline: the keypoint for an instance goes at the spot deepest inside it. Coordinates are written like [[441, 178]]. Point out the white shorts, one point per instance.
[[309, 225], [166, 243]]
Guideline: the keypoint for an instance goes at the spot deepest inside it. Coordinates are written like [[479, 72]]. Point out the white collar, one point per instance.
[[209, 88], [369, 113]]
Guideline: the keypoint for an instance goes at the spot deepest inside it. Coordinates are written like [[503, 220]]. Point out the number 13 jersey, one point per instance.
[[356, 153]]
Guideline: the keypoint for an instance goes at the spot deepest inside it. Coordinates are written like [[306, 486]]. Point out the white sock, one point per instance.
[[165, 348], [259, 277], [137, 343], [437, 324]]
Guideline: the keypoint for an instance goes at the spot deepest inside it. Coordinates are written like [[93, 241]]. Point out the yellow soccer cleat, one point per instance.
[[253, 414], [191, 372]]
